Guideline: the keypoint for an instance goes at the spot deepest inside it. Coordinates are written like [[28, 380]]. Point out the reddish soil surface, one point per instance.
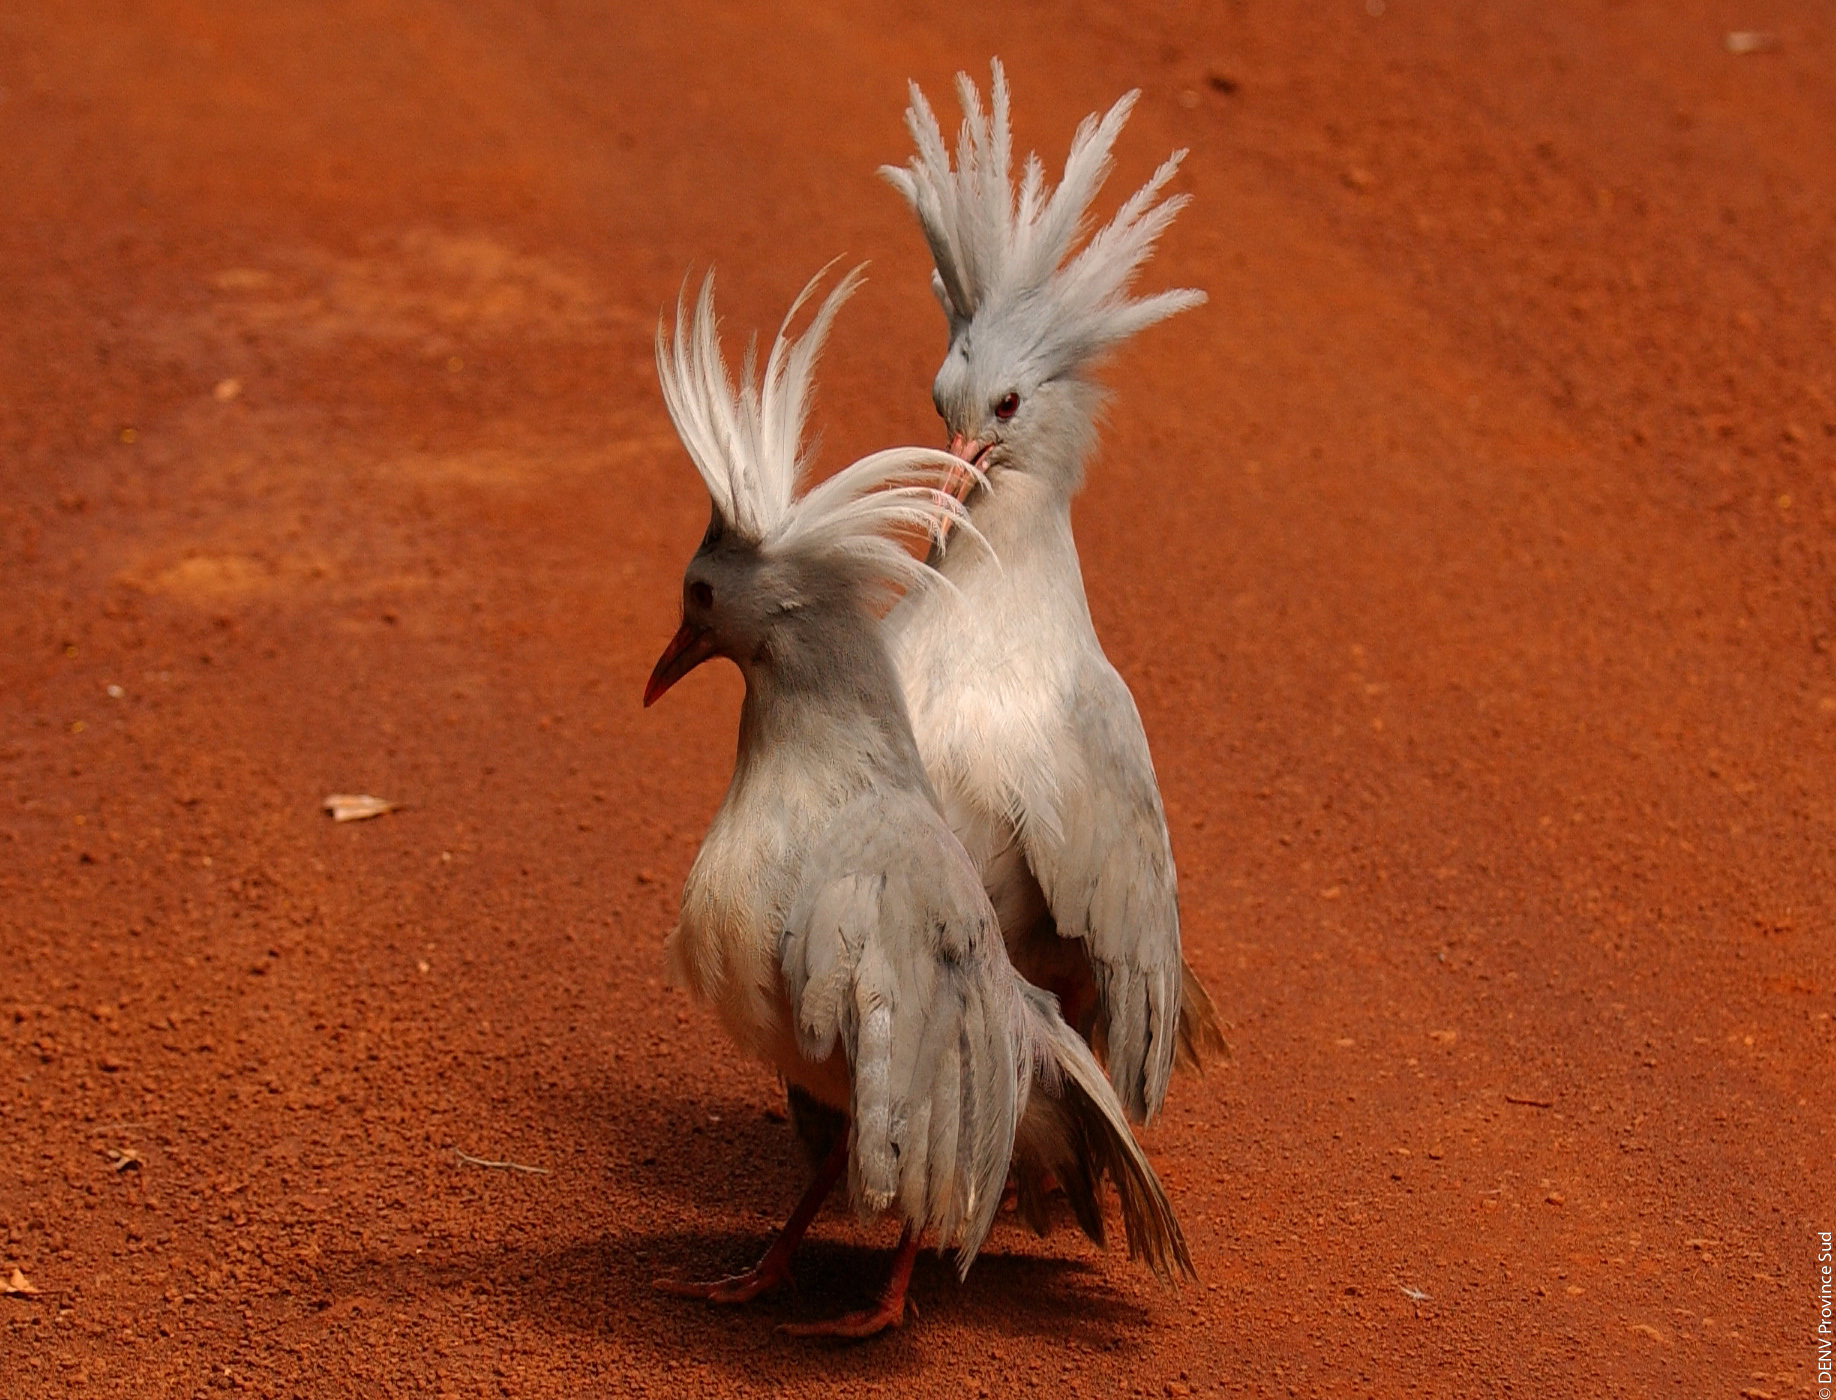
[[1472, 556]]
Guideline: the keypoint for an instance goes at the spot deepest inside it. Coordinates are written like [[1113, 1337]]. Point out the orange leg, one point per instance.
[[888, 1312], [774, 1268]]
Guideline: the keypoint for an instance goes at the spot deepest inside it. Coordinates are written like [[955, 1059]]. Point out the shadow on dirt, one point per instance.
[[602, 1291], [752, 1168], [718, 1151], [710, 1180]]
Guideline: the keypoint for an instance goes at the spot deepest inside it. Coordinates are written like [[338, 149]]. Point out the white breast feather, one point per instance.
[[724, 948], [988, 675]]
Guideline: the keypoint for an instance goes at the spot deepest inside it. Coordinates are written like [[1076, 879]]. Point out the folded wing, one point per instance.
[[892, 955], [1106, 869]]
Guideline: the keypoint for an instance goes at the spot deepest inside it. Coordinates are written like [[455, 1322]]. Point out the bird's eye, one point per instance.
[[1008, 407], [702, 595]]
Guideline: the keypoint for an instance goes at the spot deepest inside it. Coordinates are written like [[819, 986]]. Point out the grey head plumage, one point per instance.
[[772, 557], [1026, 313]]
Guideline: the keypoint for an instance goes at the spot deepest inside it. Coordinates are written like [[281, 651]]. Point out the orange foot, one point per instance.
[[764, 1276], [869, 1322], [888, 1312], [774, 1268]]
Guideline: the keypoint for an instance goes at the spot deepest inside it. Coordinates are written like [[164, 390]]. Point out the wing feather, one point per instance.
[[1106, 870], [891, 953]]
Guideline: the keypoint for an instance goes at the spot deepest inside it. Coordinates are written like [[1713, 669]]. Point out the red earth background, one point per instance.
[[1471, 555]]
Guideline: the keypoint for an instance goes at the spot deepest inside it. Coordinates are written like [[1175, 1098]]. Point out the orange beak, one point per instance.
[[686, 650], [960, 484]]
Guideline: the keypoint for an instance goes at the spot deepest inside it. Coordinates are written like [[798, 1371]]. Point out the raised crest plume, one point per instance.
[[1004, 256], [746, 441]]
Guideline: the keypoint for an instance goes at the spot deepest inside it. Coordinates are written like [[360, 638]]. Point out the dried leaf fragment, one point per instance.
[[123, 1159], [18, 1286], [357, 807]]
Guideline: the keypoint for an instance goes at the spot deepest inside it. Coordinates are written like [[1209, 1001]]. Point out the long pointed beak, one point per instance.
[[686, 650], [970, 450]]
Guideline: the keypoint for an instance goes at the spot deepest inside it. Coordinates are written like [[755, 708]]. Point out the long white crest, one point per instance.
[[747, 444], [1001, 255]]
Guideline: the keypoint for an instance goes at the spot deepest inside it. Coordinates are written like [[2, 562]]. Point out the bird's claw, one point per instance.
[[739, 1288], [869, 1322]]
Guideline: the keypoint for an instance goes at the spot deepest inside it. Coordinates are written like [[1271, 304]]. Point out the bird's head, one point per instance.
[[752, 605], [1028, 319], [773, 564], [724, 609], [1005, 411]]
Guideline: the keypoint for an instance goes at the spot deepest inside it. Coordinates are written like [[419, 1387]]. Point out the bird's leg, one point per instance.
[[888, 1312], [774, 1268]]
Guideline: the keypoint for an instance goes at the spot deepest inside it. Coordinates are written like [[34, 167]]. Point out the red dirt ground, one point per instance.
[[1472, 556]]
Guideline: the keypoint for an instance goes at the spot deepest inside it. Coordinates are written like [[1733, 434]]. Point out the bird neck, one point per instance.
[[1025, 520], [823, 687]]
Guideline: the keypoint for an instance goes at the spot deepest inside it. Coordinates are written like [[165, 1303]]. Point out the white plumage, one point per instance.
[[747, 445], [1003, 258], [1029, 734]]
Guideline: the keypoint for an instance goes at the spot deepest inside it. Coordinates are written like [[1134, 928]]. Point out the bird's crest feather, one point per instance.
[[1005, 256], [746, 441]]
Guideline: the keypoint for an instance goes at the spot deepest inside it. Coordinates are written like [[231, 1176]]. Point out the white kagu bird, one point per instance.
[[833, 922], [1028, 733]]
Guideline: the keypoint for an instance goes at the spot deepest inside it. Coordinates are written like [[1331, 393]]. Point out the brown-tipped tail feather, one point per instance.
[[1201, 1034], [1074, 1134]]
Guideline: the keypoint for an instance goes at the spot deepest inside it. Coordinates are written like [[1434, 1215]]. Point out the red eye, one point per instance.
[[702, 594], [1008, 407]]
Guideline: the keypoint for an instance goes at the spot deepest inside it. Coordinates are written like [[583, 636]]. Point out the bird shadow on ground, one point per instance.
[[600, 1292], [1006, 1295], [718, 1148], [697, 1185], [692, 1182]]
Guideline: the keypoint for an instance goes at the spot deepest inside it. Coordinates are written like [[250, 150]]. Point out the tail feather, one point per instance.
[[1074, 1133], [1201, 1035]]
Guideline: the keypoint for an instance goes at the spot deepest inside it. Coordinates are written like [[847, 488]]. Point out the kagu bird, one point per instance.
[[1030, 736], [832, 920]]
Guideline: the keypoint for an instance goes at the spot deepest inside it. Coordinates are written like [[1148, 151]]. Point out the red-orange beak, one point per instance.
[[960, 484], [686, 650]]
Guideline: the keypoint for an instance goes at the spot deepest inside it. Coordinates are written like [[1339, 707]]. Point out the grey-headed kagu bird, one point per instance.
[[1029, 734], [831, 919]]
